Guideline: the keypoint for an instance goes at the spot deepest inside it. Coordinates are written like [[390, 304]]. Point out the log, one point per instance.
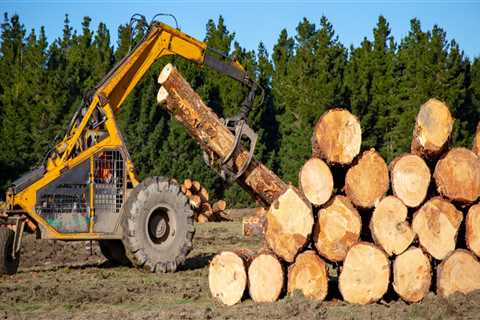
[[365, 275], [196, 186], [253, 225], [187, 183], [457, 175], [337, 137], [476, 141], [214, 137], [309, 275], [184, 189], [410, 177], [218, 206], [195, 201], [289, 224], [265, 278], [227, 275], [337, 228], [459, 272], [389, 226], [412, 275], [203, 193], [206, 209], [201, 218], [472, 229], [316, 181], [432, 129], [367, 180], [436, 223]]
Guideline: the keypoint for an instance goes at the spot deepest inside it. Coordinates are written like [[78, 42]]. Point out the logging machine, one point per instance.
[[86, 187]]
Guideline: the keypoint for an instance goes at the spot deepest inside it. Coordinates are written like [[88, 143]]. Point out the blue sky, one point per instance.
[[262, 20]]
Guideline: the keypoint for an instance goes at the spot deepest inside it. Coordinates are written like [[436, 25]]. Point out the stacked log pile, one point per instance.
[[413, 223], [203, 210]]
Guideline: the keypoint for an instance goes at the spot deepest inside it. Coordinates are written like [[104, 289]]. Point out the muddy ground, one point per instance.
[[63, 281]]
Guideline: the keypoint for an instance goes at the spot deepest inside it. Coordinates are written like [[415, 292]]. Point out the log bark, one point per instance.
[[337, 137], [309, 275], [436, 223], [459, 272], [227, 275], [432, 129], [389, 226], [457, 175], [289, 224], [410, 177], [476, 141], [472, 229], [337, 228], [253, 225], [265, 278], [316, 181], [367, 180], [365, 275], [208, 130], [412, 275]]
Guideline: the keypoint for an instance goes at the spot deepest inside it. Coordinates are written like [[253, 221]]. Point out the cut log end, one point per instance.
[[365, 275], [457, 175], [265, 278], [337, 228], [289, 224], [433, 127], [412, 275], [316, 181], [410, 177], [165, 73], [337, 137], [227, 276], [367, 181], [436, 223], [472, 229], [389, 227], [309, 275], [459, 272]]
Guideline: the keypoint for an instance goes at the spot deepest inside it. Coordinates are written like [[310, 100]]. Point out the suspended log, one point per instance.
[[367, 180], [337, 228], [316, 181], [365, 275], [476, 141], [472, 229], [309, 275], [412, 275], [459, 272], [432, 129], [436, 223], [457, 175], [410, 177], [227, 275], [214, 137], [337, 137], [265, 278], [218, 206], [389, 226], [289, 224]]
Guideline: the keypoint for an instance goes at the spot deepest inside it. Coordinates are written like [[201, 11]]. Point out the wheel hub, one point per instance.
[[158, 226], [161, 228]]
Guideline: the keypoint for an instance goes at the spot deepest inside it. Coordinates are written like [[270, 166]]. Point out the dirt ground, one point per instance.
[[63, 281]]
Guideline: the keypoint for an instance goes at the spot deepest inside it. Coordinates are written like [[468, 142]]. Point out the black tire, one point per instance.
[[158, 225], [114, 251], [8, 264]]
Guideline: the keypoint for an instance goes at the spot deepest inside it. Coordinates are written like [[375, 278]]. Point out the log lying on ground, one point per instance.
[[337, 137], [436, 223], [412, 275], [457, 175], [289, 224], [410, 177], [337, 228], [459, 272], [389, 227], [365, 275], [472, 229], [316, 181], [265, 278], [253, 225], [227, 275], [432, 129], [208, 130], [367, 180], [309, 275], [476, 141]]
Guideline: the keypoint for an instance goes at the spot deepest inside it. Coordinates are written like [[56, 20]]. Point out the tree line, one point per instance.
[[383, 82]]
